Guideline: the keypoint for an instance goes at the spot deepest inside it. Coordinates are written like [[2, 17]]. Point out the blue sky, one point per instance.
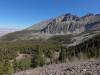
[[24, 13]]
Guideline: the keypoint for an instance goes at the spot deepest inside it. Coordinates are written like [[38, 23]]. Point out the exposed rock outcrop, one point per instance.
[[72, 24], [61, 25]]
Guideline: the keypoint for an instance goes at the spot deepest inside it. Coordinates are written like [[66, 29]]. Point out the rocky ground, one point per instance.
[[83, 68]]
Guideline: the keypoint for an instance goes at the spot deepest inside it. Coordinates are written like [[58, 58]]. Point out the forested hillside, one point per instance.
[[85, 50], [23, 55], [34, 53]]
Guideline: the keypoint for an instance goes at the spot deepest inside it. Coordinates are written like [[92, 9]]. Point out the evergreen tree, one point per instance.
[[8, 68], [63, 54]]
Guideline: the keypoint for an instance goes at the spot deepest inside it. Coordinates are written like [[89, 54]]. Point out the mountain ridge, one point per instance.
[[62, 25]]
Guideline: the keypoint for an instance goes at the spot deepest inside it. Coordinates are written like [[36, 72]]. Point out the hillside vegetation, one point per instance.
[[43, 52]]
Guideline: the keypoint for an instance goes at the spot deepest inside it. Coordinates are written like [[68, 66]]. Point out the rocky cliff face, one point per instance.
[[61, 25], [72, 24]]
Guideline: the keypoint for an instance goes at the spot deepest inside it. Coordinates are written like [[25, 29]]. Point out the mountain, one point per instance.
[[81, 28], [66, 38], [39, 26]]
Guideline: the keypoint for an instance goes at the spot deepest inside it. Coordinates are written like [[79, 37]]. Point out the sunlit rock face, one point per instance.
[[62, 25], [72, 24]]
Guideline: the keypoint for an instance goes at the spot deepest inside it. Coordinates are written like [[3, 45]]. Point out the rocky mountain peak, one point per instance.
[[89, 14], [71, 24], [66, 17]]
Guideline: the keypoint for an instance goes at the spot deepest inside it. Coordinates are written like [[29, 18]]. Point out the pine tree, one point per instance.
[[63, 55], [38, 57], [8, 68]]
